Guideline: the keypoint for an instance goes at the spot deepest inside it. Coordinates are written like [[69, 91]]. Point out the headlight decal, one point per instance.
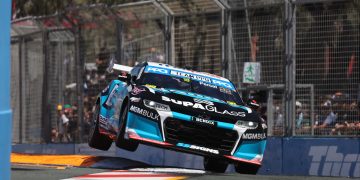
[[247, 124], [155, 105]]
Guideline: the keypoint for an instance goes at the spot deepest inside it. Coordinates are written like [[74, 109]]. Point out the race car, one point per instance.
[[182, 110]]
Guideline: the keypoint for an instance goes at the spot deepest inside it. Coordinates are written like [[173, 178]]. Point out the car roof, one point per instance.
[[167, 66]]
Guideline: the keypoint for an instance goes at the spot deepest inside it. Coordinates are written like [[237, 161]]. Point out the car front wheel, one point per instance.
[[244, 168], [215, 165]]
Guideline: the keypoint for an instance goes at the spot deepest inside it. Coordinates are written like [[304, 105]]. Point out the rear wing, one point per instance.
[[117, 67], [122, 68]]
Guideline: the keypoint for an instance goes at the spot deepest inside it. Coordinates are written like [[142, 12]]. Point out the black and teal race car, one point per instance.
[[179, 109]]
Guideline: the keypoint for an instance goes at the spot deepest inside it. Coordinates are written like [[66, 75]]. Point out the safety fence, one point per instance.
[[299, 59]]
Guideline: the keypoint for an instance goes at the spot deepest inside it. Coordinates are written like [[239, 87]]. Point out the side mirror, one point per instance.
[[253, 104], [125, 77]]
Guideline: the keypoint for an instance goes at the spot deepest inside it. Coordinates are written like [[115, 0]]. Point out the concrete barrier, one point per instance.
[[321, 157], [44, 148], [283, 156]]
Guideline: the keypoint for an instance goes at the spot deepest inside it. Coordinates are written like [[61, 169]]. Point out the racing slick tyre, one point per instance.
[[121, 142], [246, 168], [215, 165], [96, 139]]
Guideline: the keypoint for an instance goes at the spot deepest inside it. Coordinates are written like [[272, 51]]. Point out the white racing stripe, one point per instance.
[[124, 173], [170, 170], [127, 178], [140, 173]]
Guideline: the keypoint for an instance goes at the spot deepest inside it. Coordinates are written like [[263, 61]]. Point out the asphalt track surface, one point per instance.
[[52, 172], [88, 167]]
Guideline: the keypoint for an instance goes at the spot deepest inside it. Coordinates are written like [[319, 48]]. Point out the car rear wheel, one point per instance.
[[121, 142], [246, 168], [215, 165], [96, 139]]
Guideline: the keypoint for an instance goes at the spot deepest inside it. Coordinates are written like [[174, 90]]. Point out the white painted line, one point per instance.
[[170, 170], [130, 175]]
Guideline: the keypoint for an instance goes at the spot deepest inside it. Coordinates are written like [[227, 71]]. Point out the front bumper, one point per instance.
[[177, 131]]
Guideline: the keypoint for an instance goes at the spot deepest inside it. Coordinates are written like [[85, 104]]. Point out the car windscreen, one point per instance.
[[186, 84]]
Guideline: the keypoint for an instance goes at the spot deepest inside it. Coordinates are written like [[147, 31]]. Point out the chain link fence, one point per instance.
[[327, 56], [27, 72], [257, 36], [327, 67], [15, 90], [257, 40], [197, 43], [59, 61]]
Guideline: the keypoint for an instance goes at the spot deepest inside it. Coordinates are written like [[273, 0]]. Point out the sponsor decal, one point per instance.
[[194, 95], [207, 107], [204, 101], [144, 112], [137, 91], [104, 122], [214, 151], [204, 121], [156, 70], [186, 80], [150, 86], [225, 90], [326, 161], [208, 85], [103, 119], [223, 84], [191, 76], [106, 89], [231, 103], [254, 136], [213, 82], [135, 99]]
